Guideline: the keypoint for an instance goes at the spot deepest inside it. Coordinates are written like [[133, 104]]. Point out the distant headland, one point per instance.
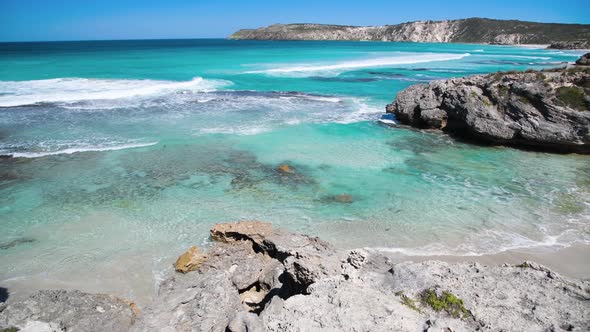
[[470, 30]]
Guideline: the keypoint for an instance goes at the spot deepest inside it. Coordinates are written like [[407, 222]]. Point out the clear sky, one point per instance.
[[26, 20]]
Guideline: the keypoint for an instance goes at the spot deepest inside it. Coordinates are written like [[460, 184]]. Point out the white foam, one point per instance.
[[404, 59], [509, 241], [525, 57], [18, 93], [76, 150], [243, 130]]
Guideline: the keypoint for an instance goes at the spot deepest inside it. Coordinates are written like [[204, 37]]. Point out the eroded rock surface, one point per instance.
[[584, 60], [548, 110], [60, 310], [190, 260], [258, 278]]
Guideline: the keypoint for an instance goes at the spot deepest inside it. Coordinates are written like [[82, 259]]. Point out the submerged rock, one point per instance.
[[285, 169], [546, 110], [14, 243], [190, 260], [343, 198], [60, 310]]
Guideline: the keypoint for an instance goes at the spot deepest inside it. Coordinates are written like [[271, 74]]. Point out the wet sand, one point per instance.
[[572, 262]]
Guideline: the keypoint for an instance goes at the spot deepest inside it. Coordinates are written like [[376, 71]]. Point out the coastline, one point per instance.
[[129, 277], [259, 278], [571, 262]]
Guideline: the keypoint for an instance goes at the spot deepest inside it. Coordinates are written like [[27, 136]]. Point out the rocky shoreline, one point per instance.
[[545, 110], [258, 278]]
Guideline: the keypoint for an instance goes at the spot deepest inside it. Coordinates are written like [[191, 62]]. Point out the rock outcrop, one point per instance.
[[258, 278], [571, 45], [546, 110], [471, 30], [584, 60], [60, 310], [190, 260]]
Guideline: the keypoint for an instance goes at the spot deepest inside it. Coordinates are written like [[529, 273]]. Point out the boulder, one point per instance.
[[544, 110], [584, 60], [190, 260]]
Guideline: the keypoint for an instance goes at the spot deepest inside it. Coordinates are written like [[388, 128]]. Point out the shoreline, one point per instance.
[[571, 262], [259, 278]]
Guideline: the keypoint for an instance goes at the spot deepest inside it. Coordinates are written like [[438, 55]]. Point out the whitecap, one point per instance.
[[489, 242], [76, 150], [68, 90], [405, 58]]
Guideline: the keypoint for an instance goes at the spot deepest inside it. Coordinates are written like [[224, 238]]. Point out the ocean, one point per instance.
[[119, 155]]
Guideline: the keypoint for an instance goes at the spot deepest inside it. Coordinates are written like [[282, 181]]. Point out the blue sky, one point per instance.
[[26, 20]]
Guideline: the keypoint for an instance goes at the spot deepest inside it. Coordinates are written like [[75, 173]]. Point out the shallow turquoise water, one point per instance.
[[124, 153]]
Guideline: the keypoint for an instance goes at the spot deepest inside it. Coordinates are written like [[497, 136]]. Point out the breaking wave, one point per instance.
[[404, 59], [491, 242], [67, 90], [73, 150]]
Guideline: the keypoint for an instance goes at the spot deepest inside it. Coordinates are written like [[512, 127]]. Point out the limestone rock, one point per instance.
[[264, 279], [584, 60], [245, 230], [545, 110], [190, 260], [60, 310]]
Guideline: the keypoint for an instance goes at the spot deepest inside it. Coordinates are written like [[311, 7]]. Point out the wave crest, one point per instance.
[[67, 90], [404, 59], [72, 150]]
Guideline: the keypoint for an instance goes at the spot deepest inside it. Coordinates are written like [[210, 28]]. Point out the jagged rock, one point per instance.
[[60, 310], [245, 322], [548, 110], [584, 60], [264, 279], [246, 230], [190, 260]]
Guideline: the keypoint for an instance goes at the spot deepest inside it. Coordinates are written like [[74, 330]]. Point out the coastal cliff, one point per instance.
[[546, 110], [259, 278], [471, 30]]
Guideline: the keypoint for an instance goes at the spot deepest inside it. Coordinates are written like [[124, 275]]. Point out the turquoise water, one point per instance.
[[119, 155]]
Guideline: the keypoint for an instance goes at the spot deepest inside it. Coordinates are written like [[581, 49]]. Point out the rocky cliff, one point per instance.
[[547, 110], [471, 30], [258, 278]]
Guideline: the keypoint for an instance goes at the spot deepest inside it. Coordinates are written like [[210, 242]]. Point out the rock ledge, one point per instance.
[[258, 278], [544, 110]]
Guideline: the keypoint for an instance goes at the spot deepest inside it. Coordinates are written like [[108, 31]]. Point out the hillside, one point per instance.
[[471, 30]]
